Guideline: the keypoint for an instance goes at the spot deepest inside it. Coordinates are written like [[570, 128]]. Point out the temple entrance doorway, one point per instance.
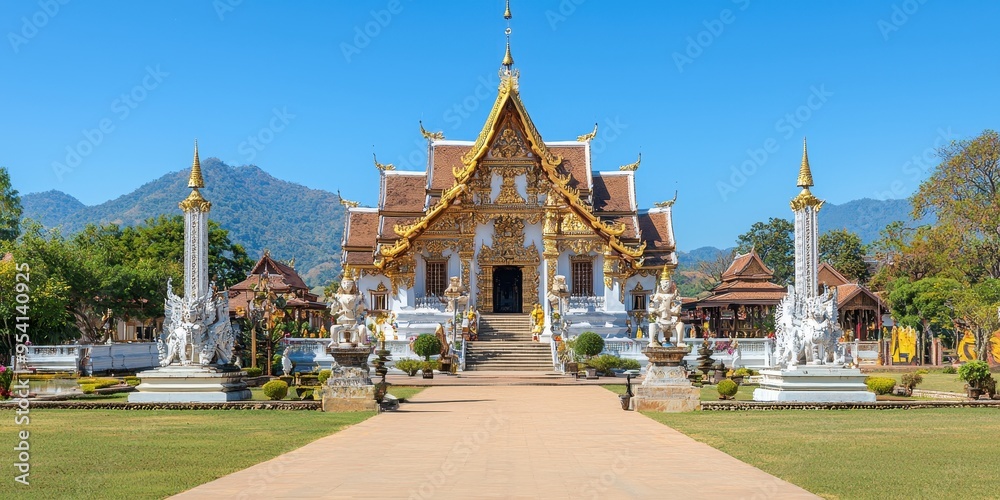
[[507, 289]]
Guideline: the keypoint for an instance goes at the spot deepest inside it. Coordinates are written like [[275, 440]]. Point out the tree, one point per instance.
[[714, 268], [964, 193], [978, 308], [42, 300], [845, 252], [774, 244], [927, 304], [10, 208], [915, 254]]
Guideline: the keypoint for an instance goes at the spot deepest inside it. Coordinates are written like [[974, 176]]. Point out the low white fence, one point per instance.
[[90, 359]]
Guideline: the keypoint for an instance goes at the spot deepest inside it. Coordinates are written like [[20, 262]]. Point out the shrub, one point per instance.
[[727, 388], [974, 372], [275, 390], [629, 364], [604, 363], [911, 380], [880, 385], [323, 376], [588, 344], [88, 388], [427, 345], [305, 393], [744, 372], [254, 371], [922, 371], [428, 366], [99, 383], [949, 370], [409, 366], [132, 381]]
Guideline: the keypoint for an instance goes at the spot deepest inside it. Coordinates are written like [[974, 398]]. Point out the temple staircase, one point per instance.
[[505, 345]]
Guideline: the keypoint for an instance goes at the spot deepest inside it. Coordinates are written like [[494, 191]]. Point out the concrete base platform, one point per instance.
[[668, 399], [813, 384], [190, 384]]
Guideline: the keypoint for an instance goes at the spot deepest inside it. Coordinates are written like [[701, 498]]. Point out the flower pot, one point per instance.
[[571, 367], [591, 372], [738, 380], [428, 374]]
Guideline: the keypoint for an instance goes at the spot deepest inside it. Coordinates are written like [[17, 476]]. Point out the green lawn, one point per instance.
[[933, 381], [152, 454], [929, 453]]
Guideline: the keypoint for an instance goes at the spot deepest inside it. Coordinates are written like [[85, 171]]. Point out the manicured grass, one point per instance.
[[933, 381], [401, 392], [152, 454], [929, 453]]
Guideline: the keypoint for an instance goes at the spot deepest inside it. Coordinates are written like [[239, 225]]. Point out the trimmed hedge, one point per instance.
[[99, 383], [588, 344], [254, 371], [409, 366], [324, 375], [880, 385], [275, 390], [427, 345], [88, 388], [727, 388]]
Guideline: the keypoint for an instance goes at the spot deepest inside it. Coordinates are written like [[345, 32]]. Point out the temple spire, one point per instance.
[[196, 181], [508, 60], [805, 174]]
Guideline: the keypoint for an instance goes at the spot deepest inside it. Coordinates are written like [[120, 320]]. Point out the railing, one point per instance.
[[585, 302], [866, 353], [625, 348], [429, 302]]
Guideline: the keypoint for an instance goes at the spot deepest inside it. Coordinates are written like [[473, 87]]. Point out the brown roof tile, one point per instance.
[[612, 193], [829, 276], [359, 258], [445, 157], [655, 230], [575, 164], [362, 228], [389, 223], [748, 266], [405, 193]]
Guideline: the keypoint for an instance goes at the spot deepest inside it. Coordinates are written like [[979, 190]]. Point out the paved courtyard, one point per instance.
[[504, 442]]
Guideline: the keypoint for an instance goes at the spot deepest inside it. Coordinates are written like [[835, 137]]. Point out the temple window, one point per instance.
[[583, 277], [639, 301], [380, 301], [436, 278]]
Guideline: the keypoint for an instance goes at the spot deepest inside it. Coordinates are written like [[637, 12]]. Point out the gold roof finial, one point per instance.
[[383, 166], [631, 167], [196, 181], [430, 136], [587, 137], [805, 174], [508, 60]]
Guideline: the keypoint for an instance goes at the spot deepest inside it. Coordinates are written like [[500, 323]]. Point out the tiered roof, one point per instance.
[[849, 295], [746, 281], [606, 201], [283, 280]]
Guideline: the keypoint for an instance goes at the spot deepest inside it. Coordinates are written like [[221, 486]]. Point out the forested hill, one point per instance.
[[260, 211], [867, 217]]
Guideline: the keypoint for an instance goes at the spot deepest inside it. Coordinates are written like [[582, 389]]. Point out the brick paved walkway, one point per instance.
[[504, 442]]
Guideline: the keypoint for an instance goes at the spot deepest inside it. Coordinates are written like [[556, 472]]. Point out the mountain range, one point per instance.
[[259, 211], [296, 222]]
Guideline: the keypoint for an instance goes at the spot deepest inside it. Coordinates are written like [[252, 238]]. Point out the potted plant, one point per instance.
[[567, 355], [588, 345], [409, 366], [740, 373], [977, 376], [427, 345]]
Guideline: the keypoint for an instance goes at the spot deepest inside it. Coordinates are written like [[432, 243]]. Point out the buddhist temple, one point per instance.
[[510, 217]]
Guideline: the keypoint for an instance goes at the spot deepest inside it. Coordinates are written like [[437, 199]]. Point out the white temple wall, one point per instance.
[[533, 234]]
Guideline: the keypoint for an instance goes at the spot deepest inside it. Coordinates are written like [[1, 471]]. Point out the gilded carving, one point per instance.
[[572, 224], [509, 144], [508, 190]]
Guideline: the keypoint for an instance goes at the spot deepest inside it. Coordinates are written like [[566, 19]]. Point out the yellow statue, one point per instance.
[[538, 315]]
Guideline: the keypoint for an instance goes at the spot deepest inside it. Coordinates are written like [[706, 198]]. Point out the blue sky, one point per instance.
[[703, 89]]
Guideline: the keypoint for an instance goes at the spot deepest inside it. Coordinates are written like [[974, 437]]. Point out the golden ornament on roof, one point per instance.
[[631, 167]]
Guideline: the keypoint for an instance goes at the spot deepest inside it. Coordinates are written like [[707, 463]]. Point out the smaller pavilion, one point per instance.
[[860, 310], [283, 281], [741, 305]]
